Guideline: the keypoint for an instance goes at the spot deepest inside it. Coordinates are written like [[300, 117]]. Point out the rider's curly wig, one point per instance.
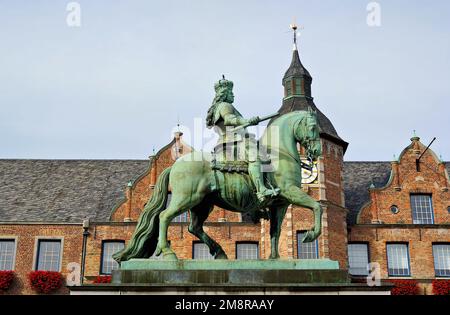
[[221, 96]]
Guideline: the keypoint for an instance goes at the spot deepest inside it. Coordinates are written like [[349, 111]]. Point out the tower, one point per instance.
[[327, 186]]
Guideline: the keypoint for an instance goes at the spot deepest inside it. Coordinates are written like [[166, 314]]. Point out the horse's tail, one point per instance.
[[145, 237]]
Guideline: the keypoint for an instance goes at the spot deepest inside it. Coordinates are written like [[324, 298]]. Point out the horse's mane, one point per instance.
[[282, 122]]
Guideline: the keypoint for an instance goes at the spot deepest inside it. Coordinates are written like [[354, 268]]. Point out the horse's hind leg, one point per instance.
[[199, 214], [179, 204]]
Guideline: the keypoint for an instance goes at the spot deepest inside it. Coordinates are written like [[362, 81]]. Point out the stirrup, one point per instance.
[[267, 192]]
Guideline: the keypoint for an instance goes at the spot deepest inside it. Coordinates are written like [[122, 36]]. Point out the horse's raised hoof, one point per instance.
[[309, 237], [221, 255]]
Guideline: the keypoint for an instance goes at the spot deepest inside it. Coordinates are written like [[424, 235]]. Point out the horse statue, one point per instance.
[[197, 187]]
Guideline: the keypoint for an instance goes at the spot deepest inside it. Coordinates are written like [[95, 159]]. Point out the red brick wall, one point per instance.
[[26, 237], [389, 227], [405, 179]]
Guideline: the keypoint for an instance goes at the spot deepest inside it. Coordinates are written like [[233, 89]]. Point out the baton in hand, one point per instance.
[[260, 120]]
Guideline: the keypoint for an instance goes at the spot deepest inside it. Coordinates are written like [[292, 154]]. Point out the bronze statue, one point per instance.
[[200, 181], [222, 115]]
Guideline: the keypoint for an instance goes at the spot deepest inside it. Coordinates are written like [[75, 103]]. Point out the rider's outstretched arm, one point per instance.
[[230, 118]]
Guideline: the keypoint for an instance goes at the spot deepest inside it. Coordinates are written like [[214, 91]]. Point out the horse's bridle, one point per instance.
[[308, 141]]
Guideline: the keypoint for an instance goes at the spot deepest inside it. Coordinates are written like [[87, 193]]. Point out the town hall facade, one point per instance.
[[395, 213]]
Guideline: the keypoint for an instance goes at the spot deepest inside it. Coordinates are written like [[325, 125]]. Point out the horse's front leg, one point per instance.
[[276, 220], [298, 197]]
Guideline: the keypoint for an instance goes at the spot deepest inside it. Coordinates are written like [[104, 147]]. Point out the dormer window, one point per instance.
[[422, 209]]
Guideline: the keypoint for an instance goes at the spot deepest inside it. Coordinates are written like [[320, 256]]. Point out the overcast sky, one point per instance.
[[115, 87]]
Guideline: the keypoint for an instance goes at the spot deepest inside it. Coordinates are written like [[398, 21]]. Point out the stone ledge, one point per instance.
[[278, 264], [267, 289], [232, 277]]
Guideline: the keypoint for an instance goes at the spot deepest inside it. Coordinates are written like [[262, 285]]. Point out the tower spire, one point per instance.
[[294, 28]]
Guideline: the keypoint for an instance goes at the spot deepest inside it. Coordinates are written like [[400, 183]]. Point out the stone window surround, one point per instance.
[[409, 276], [368, 254], [196, 242], [101, 252], [315, 242], [247, 242], [419, 193], [46, 238], [16, 240], [434, 264]]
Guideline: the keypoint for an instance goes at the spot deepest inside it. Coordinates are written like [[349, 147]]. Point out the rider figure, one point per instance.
[[223, 116]]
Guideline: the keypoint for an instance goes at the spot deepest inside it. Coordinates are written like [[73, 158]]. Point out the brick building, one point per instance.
[[397, 214]]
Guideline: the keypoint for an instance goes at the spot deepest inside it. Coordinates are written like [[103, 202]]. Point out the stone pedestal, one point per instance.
[[149, 276]]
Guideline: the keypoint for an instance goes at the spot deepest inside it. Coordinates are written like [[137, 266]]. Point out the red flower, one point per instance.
[[441, 287], [6, 278], [405, 287], [45, 281], [103, 279]]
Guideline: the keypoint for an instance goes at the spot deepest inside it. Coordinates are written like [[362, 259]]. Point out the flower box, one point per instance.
[[6, 279], [45, 281]]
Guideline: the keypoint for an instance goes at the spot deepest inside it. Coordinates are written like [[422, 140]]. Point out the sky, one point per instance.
[[116, 86]]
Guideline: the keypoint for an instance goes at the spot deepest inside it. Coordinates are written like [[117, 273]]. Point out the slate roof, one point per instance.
[[296, 68], [63, 190], [358, 176], [67, 191]]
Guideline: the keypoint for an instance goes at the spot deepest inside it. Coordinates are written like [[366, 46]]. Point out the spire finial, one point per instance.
[[294, 28], [178, 123]]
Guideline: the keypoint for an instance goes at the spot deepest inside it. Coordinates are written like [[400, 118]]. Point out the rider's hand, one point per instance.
[[253, 121]]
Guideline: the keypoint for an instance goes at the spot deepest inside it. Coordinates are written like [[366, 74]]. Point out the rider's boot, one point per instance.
[[254, 169]]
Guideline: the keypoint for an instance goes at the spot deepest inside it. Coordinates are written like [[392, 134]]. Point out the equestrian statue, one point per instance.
[[260, 178]]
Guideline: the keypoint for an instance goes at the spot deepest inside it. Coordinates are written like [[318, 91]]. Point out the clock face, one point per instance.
[[308, 176]]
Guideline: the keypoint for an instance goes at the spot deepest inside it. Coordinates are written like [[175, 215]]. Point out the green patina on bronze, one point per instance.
[[197, 186], [278, 264], [230, 277]]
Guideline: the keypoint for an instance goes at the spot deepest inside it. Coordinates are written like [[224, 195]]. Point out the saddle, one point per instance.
[[229, 158], [227, 172]]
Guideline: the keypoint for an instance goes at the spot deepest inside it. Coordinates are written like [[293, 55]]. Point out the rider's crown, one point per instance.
[[223, 83]]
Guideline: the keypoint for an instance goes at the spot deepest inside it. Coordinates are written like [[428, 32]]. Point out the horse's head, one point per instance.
[[307, 133]]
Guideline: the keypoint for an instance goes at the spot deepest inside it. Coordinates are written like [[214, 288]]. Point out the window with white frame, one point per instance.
[[247, 251], [441, 255], [422, 209], [358, 259], [181, 218], [48, 255], [306, 250], [7, 254], [398, 260], [109, 248], [201, 251]]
